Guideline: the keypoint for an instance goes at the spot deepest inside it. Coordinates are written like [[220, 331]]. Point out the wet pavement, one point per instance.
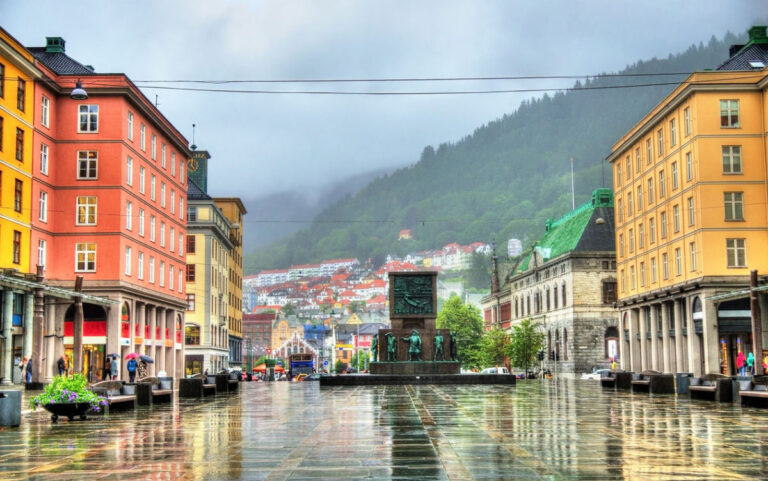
[[551, 430]]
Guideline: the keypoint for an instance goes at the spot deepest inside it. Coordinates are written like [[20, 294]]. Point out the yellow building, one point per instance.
[[17, 76], [691, 184], [234, 210]]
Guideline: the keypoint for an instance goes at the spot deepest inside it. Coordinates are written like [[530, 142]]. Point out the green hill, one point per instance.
[[501, 181]]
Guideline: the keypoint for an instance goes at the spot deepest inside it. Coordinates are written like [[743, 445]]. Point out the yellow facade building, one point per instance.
[[17, 81], [691, 190]]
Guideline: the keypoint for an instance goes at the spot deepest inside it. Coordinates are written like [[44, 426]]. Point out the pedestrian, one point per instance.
[[751, 363], [205, 373], [23, 367], [142, 370], [740, 361], [131, 366], [613, 365], [106, 371], [61, 365], [28, 375], [113, 369]]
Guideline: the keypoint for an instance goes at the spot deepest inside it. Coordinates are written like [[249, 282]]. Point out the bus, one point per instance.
[[300, 364]]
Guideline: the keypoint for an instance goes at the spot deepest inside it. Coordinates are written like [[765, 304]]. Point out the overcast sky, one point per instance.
[[263, 143]]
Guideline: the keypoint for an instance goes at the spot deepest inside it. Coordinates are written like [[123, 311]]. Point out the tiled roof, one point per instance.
[[753, 55], [194, 192], [60, 62]]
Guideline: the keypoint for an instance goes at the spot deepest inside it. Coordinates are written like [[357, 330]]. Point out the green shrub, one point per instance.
[[68, 390]]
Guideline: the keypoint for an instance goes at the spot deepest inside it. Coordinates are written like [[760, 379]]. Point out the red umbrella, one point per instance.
[[131, 355]]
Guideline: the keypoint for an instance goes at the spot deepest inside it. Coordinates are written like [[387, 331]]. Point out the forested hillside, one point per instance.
[[501, 181]]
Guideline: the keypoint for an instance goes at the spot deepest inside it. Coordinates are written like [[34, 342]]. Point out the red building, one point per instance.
[[108, 204]]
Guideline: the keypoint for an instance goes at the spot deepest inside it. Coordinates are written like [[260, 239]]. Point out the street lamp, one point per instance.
[[78, 93]]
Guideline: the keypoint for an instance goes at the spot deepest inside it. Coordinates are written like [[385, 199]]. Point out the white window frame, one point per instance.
[[173, 164], [141, 222], [44, 157], [86, 250], [172, 202], [161, 273], [676, 218], [672, 133], [181, 172], [45, 111], [660, 137], [143, 137], [162, 155], [663, 222], [678, 262], [140, 266], [691, 212], [91, 160], [181, 207], [88, 117], [142, 179], [128, 260], [171, 239], [88, 204], [654, 273], [129, 171], [42, 215], [181, 244], [162, 233], [732, 160], [180, 280], [170, 277], [687, 117], [42, 247], [734, 205], [152, 184], [151, 270], [649, 149], [675, 176], [736, 249], [152, 228], [162, 195], [729, 108], [689, 165], [650, 191], [130, 126], [665, 265], [153, 144], [692, 248], [128, 215]]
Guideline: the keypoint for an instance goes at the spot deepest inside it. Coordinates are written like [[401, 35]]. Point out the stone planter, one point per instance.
[[70, 410]]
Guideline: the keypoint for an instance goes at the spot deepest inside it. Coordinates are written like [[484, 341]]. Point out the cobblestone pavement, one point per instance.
[[551, 430]]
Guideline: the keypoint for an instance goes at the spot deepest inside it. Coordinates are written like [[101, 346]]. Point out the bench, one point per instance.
[[608, 379], [712, 387], [197, 386], [752, 394], [151, 390], [120, 396], [653, 382]]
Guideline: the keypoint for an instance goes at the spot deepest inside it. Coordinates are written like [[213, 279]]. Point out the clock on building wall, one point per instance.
[[193, 164]]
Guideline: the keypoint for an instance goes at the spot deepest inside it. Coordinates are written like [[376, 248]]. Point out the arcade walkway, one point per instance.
[[551, 430]]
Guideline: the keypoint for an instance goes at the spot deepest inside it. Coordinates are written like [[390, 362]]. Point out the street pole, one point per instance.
[[757, 327]]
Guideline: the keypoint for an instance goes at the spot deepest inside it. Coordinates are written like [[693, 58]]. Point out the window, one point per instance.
[[140, 265], [173, 164], [170, 277], [672, 133], [173, 201], [678, 262], [729, 113], [692, 248], [21, 93], [640, 236], [734, 206], [663, 222], [665, 265], [161, 274], [650, 191], [660, 138], [642, 274], [151, 269], [89, 118], [737, 252], [143, 137], [45, 111], [86, 210], [732, 159], [130, 126], [129, 215], [153, 151], [192, 212], [129, 171], [190, 244], [648, 150], [142, 176], [16, 248], [621, 245], [653, 270], [19, 144], [162, 194], [128, 261], [85, 257], [619, 207], [629, 168], [181, 244], [181, 207], [689, 165], [631, 240], [190, 273], [42, 247], [623, 281], [630, 204], [687, 120], [181, 279], [691, 212], [618, 173], [152, 182], [87, 164], [152, 228], [676, 217], [632, 281], [141, 222], [652, 230], [18, 190], [638, 161], [609, 292], [162, 233], [675, 178], [181, 171], [43, 207], [172, 240], [563, 294], [162, 155], [189, 338], [662, 184]]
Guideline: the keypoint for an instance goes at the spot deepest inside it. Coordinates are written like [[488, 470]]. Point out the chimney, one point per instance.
[[54, 44], [757, 34]]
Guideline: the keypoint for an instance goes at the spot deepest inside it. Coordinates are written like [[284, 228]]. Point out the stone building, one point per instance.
[[566, 285]]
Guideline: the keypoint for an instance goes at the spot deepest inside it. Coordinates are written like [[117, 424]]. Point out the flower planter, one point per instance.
[[70, 410]]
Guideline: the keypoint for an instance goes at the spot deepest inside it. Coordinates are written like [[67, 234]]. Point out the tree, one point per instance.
[[466, 322], [495, 347], [338, 366], [479, 272], [525, 342], [289, 309]]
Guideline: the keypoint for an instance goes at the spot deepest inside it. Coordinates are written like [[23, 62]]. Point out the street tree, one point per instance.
[[525, 342], [289, 309], [467, 324], [495, 347]]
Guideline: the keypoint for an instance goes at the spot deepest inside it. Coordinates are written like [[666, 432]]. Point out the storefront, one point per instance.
[[734, 329], [94, 340]]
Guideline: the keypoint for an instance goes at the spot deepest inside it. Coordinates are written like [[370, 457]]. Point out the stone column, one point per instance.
[[655, 343], [644, 361], [29, 316], [50, 351], [8, 334], [711, 339], [666, 345], [152, 323], [680, 358]]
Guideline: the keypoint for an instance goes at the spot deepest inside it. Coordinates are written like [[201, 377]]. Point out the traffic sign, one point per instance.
[[325, 363]]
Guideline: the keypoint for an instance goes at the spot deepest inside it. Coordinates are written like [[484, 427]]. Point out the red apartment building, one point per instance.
[[108, 198]]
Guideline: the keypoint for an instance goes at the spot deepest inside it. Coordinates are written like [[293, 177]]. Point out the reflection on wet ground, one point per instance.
[[553, 429]]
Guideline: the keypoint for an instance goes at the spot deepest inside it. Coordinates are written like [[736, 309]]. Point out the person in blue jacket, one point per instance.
[[131, 366]]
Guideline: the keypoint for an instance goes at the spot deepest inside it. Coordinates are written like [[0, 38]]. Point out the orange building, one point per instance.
[[691, 185], [108, 204]]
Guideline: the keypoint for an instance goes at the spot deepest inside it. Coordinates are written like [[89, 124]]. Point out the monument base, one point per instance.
[[408, 368], [398, 380]]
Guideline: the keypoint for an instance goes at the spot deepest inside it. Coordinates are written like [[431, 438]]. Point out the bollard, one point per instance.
[[10, 408]]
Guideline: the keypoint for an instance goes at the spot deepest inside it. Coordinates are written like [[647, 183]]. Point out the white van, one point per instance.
[[495, 370]]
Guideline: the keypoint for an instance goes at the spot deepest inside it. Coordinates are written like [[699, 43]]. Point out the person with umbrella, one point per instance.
[[131, 366], [114, 368], [143, 368]]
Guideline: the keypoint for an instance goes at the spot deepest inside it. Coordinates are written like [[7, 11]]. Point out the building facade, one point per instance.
[[691, 220], [566, 285]]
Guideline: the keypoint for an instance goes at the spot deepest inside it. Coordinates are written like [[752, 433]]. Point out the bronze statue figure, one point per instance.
[[375, 347], [454, 347], [391, 347], [438, 347], [414, 350]]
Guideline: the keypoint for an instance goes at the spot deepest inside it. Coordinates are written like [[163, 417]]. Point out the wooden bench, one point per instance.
[[712, 387], [120, 396], [151, 390], [752, 394], [197, 386], [653, 382], [608, 379]]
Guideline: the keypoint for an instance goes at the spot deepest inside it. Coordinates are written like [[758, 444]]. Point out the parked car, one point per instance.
[[315, 376], [595, 375], [495, 370]]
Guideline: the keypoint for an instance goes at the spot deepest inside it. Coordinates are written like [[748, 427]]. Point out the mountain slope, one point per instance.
[[501, 181]]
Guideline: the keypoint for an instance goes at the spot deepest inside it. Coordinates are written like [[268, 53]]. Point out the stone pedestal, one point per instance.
[[415, 368]]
